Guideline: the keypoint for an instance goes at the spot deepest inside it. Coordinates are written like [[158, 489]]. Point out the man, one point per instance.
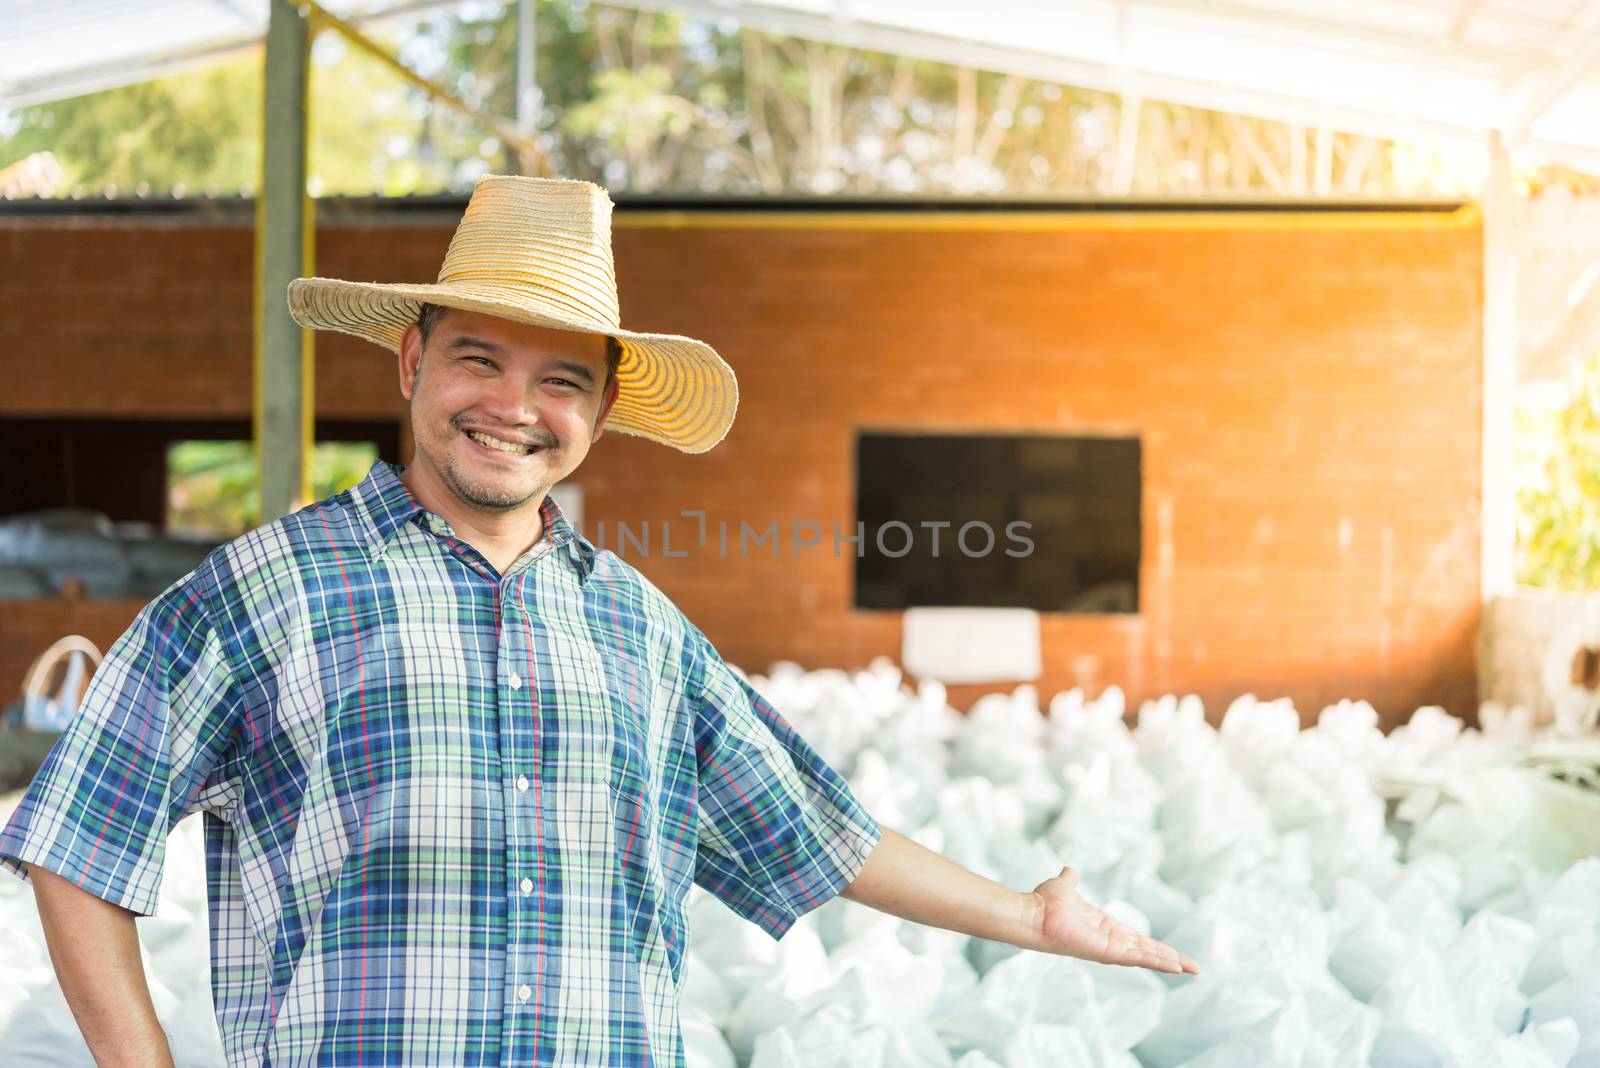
[[459, 767]]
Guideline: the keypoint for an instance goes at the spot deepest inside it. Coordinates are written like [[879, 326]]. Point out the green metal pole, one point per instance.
[[283, 354]]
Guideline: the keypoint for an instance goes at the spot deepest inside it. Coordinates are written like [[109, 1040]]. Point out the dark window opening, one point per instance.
[[109, 508]]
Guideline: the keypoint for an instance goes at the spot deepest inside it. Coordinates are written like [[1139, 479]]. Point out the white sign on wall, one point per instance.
[[971, 644]]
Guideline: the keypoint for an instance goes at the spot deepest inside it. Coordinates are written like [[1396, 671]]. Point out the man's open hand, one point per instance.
[[1069, 925], [913, 882]]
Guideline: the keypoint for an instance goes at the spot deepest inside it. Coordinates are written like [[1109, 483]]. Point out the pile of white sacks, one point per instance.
[[1328, 932]]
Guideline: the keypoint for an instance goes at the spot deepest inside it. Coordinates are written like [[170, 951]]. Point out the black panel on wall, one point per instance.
[[980, 520]]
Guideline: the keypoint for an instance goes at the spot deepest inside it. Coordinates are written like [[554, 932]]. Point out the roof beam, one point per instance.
[[238, 10], [1547, 93], [127, 70], [1464, 16], [1398, 43], [531, 157], [119, 72]]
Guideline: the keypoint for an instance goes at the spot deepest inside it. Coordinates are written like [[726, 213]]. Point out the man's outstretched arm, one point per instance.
[[913, 882], [94, 947]]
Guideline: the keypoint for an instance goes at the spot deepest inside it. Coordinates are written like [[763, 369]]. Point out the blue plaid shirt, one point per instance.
[[451, 817]]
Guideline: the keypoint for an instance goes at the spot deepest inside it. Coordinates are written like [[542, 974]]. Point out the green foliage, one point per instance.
[[1558, 495], [630, 104], [212, 487], [197, 131]]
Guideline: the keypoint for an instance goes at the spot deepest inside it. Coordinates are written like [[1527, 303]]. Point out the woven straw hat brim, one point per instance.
[[671, 389]]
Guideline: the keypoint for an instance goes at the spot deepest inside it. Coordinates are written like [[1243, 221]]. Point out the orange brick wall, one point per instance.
[[1308, 397]]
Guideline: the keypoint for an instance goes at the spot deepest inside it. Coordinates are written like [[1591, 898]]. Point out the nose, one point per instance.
[[509, 402]]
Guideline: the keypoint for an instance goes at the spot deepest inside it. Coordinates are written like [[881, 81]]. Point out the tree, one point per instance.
[[193, 132], [1558, 495]]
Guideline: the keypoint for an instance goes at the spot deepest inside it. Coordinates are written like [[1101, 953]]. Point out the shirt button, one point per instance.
[[527, 886], [516, 681], [524, 992], [522, 783]]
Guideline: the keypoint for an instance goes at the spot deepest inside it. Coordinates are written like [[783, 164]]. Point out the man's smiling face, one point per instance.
[[502, 411]]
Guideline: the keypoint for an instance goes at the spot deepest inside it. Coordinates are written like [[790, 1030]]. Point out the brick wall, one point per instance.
[[1308, 393]]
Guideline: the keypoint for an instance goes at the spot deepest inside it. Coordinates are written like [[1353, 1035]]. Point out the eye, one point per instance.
[[563, 381], [480, 359]]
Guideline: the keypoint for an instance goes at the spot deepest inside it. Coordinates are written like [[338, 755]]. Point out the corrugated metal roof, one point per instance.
[[1402, 69], [1406, 69], [41, 40], [50, 49]]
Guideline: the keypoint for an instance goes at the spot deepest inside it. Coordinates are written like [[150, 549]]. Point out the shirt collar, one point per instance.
[[383, 504]]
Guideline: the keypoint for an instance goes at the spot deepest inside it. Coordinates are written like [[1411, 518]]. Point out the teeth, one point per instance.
[[503, 446]]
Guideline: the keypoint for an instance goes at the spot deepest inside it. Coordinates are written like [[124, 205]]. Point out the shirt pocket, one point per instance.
[[629, 707]]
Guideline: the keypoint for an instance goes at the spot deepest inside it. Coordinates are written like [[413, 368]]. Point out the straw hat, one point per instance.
[[538, 250]]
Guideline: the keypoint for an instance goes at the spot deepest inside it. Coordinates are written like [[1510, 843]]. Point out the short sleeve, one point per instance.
[[152, 725], [779, 830]]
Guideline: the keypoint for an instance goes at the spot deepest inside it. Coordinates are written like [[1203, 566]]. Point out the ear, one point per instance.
[[410, 359], [612, 389]]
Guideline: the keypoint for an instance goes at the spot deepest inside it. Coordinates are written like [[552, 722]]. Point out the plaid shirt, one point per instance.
[[451, 817]]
